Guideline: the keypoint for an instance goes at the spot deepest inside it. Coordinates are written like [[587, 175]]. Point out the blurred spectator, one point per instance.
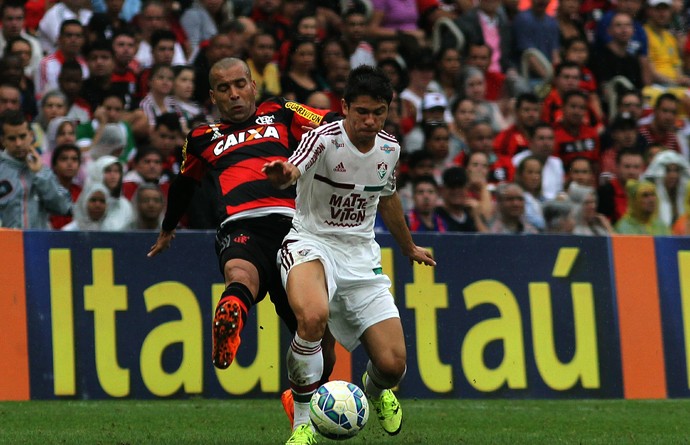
[[529, 177], [149, 207], [559, 216], [300, 80], [510, 211], [148, 167], [61, 131], [219, 47], [90, 210], [573, 136], [70, 82], [460, 212], [587, 220], [241, 30], [12, 19], [682, 225], [423, 216], [13, 73], [613, 59], [101, 63], [420, 163], [463, 117], [10, 98], [488, 24], [183, 93], [391, 18], [638, 44], [533, 29], [662, 128], [51, 26], [670, 172], [108, 113], [567, 79], [30, 189], [480, 139], [108, 171], [515, 138], [202, 20], [630, 102], [474, 88], [69, 46], [436, 142], [613, 200], [355, 23], [65, 162], [167, 137], [641, 217], [623, 135], [664, 53], [304, 27], [541, 146], [570, 23], [53, 104], [162, 52], [478, 187], [319, 99], [447, 74], [265, 72], [421, 72], [576, 50], [103, 25], [581, 171], [479, 56], [124, 77], [160, 100], [336, 77], [434, 106], [154, 17]]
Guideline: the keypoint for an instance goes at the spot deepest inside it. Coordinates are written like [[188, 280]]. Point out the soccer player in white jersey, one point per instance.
[[330, 262]]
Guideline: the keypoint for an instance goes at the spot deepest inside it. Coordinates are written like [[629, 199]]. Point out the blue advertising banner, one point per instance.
[[500, 316]]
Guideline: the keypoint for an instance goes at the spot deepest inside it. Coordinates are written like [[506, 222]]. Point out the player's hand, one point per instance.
[[278, 174], [422, 256], [162, 243]]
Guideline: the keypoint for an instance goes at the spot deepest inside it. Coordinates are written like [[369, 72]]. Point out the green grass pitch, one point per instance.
[[435, 422]]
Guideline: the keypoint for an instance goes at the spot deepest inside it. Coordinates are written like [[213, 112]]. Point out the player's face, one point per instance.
[[233, 92], [16, 139], [365, 117]]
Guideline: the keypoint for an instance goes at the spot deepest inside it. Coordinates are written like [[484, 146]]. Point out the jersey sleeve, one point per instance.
[[305, 116], [192, 166], [308, 152]]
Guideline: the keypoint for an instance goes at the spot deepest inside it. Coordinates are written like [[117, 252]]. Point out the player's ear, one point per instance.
[[212, 96]]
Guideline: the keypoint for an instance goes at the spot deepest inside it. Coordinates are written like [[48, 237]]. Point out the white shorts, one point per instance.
[[358, 291]]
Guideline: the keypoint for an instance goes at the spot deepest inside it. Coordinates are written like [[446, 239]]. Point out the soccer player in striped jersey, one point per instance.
[[330, 262], [254, 216]]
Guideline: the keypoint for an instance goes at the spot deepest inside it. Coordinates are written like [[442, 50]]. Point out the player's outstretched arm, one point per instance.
[[281, 174], [392, 214], [163, 242]]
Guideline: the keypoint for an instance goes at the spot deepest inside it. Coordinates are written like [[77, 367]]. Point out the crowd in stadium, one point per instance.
[[514, 117]]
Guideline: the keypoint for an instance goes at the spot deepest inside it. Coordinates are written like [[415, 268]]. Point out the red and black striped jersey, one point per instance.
[[234, 154]]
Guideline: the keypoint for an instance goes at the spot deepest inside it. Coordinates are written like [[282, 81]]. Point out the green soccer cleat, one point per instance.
[[303, 435], [388, 409]]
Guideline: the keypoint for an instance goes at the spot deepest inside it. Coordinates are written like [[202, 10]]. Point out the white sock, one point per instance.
[[305, 367]]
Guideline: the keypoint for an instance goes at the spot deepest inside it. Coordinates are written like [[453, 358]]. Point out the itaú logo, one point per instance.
[[245, 136]]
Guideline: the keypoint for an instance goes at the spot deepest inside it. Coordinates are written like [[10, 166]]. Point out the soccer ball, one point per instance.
[[339, 410]]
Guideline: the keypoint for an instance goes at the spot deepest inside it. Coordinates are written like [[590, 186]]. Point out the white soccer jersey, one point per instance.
[[338, 192]]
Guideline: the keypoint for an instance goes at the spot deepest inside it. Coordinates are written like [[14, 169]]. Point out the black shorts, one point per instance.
[[258, 241]]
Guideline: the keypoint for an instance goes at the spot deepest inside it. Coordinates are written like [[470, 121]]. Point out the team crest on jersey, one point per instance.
[[382, 169], [265, 120], [387, 148], [245, 136], [216, 133], [241, 239]]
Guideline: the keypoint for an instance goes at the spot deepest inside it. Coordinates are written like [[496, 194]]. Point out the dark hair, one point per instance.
[[623, 93], [11, 41], [11, 4], [145, 151], [424, 179], [70, 22], [663, 97], [529, 98], [402, 73], [574, 93], [169, 120], [159, 67], [98, 45], [522, 165], [541, 124], [61, 149], [628, 152], [565, 65], [428, 128], [454, 177], [161, 34], [70, 65], [124, 31], [565, 46], [366, 80], [13, 118], [112, 93], [417, 157], [580, 158]]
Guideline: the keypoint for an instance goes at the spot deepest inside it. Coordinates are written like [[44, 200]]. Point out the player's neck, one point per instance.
[[362, 144]]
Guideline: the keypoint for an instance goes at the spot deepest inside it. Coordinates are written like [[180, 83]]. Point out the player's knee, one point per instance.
[[312, 324], [391, 365]]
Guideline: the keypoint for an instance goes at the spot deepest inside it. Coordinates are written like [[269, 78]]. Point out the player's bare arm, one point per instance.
[[281, 174], [391, 211], [163, 242]]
